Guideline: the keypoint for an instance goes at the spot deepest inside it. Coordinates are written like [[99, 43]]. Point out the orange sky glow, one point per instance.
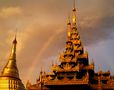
[[42, 28]]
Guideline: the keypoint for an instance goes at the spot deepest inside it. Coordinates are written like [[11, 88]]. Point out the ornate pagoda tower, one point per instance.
[[74, 71], [9, 78]]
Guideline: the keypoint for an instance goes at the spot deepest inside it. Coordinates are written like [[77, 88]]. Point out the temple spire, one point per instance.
[[74, 15], [74, 7], [69, 28], [9, 77], [11, 68], [13, 52]]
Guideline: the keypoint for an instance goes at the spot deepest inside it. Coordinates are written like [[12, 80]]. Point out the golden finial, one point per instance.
[[41, 71], [74, 9], [74, 16], [68, 20], [41, 75], [69, 27], [15, 41], [13, 53]]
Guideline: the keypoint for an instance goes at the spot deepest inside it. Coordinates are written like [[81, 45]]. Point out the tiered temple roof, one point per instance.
[[74, 71]]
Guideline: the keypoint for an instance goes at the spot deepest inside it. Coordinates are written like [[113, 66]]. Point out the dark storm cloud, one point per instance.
[[97, 23], [100, 30]]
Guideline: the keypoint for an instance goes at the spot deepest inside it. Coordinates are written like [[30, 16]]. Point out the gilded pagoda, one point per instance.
[[74, 71], [9, 78]]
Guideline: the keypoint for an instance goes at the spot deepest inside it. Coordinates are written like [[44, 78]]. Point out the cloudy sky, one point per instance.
[[41, 32]]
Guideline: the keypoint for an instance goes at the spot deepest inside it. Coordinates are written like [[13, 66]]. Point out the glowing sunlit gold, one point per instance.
[[9, 79], [69, 27]]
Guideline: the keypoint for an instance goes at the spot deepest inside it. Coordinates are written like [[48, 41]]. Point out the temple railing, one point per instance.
[[66, 81]]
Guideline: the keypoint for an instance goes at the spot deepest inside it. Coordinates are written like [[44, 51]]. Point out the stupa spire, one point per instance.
[[13, 52], [11, 68]]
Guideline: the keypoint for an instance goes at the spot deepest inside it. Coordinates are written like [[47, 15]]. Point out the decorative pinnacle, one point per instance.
[[69, 27], [68, 20], [13, 53], [41, 72], [15, 40], [74, 15], [74, 9]]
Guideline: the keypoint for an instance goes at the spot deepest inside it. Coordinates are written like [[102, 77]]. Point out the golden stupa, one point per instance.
[[9, 78]]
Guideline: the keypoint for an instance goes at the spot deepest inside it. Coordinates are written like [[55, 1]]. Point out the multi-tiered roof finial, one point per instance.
[[74, 15], [69, 27], [74, 7]]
